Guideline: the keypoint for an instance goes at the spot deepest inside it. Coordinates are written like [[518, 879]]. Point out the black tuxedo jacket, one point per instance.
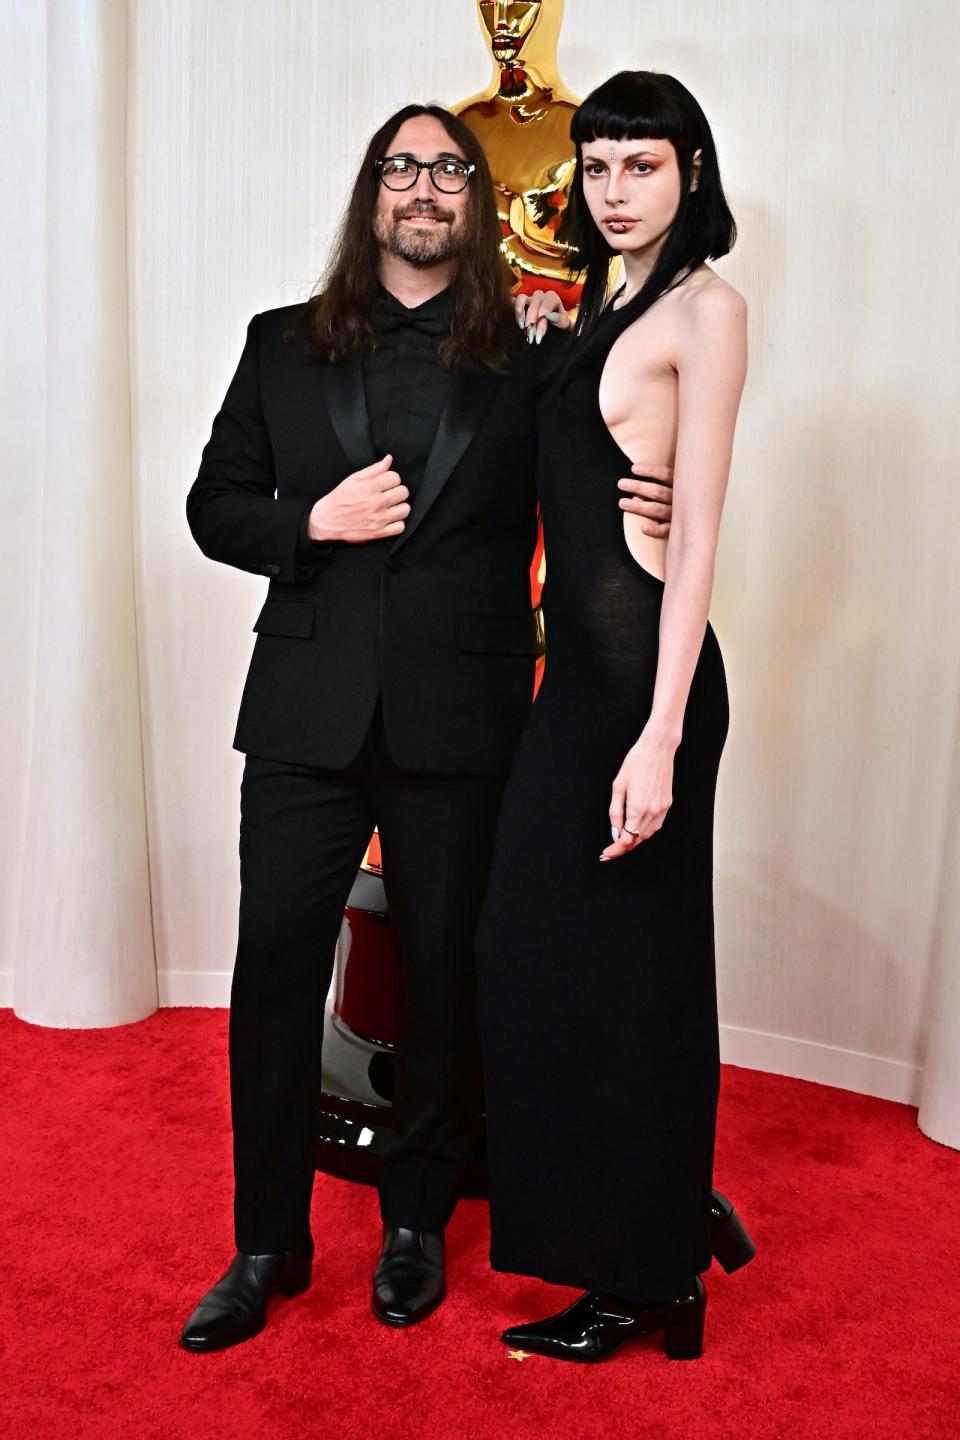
[[436, 621]]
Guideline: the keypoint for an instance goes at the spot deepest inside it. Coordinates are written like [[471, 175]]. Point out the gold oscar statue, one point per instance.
[[522, 120]]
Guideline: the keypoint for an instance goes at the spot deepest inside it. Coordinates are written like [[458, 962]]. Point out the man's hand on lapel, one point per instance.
[[371, 504]]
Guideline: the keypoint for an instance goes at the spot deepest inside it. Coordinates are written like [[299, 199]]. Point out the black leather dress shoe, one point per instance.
[[236, 1307], [596, 1325], [408, 1282], [730, 1242]]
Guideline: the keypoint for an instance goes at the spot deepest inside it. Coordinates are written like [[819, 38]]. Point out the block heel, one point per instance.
[[730, 1242], [683, 1328]]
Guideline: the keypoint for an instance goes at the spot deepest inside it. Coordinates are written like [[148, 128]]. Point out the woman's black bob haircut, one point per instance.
[[644, 105]]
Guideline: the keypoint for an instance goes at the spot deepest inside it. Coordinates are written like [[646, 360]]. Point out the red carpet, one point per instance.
[[116, 1215]]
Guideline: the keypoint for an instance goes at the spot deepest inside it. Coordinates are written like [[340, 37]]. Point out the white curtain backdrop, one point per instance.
[[939, 1114], [83, 942], [239, 126]]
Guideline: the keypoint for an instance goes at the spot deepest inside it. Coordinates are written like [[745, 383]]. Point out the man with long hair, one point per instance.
[[374, 457]]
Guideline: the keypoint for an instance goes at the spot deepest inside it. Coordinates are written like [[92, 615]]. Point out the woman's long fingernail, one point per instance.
[[614, 832]]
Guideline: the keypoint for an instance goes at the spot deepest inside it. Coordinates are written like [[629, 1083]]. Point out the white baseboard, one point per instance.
[[751, 1049], [194, 987], [821, 1064], [6, 989]]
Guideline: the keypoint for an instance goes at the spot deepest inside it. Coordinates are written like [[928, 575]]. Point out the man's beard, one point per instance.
[[421, 247]]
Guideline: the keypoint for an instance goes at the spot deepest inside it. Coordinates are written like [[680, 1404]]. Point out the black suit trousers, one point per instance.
[[303, 833]]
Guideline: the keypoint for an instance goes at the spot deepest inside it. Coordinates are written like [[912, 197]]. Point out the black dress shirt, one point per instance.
[[406, 388]]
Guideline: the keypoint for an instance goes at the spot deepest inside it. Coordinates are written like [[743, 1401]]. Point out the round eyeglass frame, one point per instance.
[[418, 165]]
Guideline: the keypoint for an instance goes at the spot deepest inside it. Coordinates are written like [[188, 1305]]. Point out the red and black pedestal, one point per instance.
[[360, 1037]]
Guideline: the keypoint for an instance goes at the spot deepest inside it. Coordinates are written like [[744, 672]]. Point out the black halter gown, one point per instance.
[[597, 982]]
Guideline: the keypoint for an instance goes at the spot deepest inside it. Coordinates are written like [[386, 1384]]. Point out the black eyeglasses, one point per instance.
[[401, 172]]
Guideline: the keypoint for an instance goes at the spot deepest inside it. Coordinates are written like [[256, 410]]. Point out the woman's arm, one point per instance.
[[711, 366]]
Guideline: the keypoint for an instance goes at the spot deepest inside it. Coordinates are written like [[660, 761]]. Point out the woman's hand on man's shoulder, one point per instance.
[[536, 311]]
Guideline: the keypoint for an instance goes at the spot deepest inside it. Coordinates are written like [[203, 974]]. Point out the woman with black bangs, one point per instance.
[[596, 943]]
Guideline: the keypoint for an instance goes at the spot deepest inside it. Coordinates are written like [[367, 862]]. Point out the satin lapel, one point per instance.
[[342, 385], [469, 399]]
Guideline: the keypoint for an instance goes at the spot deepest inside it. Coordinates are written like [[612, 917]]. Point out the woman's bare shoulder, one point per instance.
[[706, 298], [711, 332]]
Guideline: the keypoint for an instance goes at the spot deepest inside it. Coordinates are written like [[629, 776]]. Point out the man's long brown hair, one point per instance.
[[336, 320]]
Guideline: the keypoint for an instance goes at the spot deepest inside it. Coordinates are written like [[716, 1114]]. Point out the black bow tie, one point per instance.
[[389, 316]]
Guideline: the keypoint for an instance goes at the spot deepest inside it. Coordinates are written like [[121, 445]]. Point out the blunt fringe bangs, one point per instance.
[[644, 105]]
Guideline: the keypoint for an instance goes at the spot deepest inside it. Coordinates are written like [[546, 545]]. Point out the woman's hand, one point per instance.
[[535, 312], [642, 793]]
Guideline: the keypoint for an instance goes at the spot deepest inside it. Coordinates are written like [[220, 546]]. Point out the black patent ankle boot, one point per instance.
[[596, 1325]]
